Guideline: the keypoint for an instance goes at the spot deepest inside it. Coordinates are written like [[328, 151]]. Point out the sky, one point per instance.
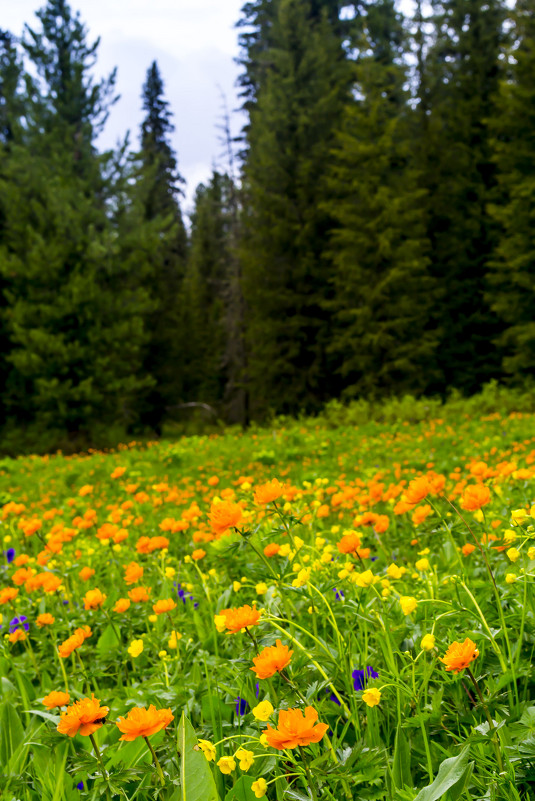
[[194, 43]]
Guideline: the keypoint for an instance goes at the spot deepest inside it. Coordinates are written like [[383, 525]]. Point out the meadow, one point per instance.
[[301, 612]]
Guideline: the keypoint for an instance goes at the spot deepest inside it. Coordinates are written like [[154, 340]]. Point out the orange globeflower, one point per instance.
[[118, 472], [161, 607], [54, 699], [271, 660], [474, 497], [350, 543], [8, 594], [459, 655], [46, 619], [225, 515], [272, 549], [122, 605], [83, 717], [240, 618], [93, 599], [18, 634], [266, 493], [74, 641], [139, 594], [295, 729], [141, 722], [133, 573], [198, 554], [417, 490], [86, 573]]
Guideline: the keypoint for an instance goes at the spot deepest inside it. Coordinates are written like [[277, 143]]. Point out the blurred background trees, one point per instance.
[[378, 239]]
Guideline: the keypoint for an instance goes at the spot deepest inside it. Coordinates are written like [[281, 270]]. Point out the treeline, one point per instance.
[[378, 240]]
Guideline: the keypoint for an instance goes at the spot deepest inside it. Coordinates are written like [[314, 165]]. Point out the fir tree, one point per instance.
[[161, 188], [285, 278], [512, 268]]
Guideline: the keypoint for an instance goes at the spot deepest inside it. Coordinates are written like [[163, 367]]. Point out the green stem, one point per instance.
[[101, 763], [156, 762], [309, 777], [492, 727]]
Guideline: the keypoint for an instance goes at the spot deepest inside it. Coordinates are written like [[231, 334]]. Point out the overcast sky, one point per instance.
[[194, 42]]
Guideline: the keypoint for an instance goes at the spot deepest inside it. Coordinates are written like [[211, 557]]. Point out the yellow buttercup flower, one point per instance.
[[245, 758], [408, 604], [513, 554], [226, 765], [259, 787], [510, 578], [422, 564], [371, 697], [261, 588], [263, 710], [428, 642], [208, 749], [135, 648]]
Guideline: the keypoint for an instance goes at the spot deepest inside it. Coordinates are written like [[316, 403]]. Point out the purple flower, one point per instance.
[[339, 594], [184, 597], [241, 706], [19, 622], [360, 677], [10, 555], [80, 786]]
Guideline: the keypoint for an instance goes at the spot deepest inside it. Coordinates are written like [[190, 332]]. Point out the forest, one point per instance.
[[371, 235]]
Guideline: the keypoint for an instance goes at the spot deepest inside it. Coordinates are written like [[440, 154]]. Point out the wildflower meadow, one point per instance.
[[299, 613]]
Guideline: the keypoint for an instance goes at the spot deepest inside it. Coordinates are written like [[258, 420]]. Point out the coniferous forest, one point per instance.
[[372, 233]]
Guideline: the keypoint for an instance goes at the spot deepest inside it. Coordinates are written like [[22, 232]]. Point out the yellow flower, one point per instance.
[[422, 564], [135, 648], [208, 749], [226, 764], [394, 571], [531, 552], [173, 639], [261, 588], [245, 758], [363, 579], [236, 586], [284, 549], [408, 604], [263, 710], [513, 554], [302, 577], [259, 788], [510, 578], [518, 516], [428, 642], [170, 572], [371, 697], [220, 622]]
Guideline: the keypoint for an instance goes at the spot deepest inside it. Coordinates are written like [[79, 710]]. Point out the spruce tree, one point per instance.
[[382, 288], [161, 188], [285, 279], [512, 267], [460, 83]]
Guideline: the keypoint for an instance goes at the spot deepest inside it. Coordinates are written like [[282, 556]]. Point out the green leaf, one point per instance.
[[197, 779], [458, 789], [107, 642], [401, 767], [241, 790], [11, 732], [450, 772]]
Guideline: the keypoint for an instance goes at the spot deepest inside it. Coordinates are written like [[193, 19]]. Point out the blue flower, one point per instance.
[[241, 706], [80, 786], [10, 555], [339, 594], [360, 677], [19, 622], [185, 597]]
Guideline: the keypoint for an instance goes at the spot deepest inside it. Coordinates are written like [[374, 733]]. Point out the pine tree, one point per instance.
[[461, 78], [512, 268], [383, 290], [161, 187], [285, 282]]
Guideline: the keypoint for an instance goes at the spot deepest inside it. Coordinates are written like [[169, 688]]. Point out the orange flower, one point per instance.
[[74, 641], [8, 594], [266, 493], [295, 729], [198, 554], [83, 717], [139, 594], [21, 575], [133, 573], [350, 543], [54, 699], [225, 515], [421, 514], [459, 655], [272, 549], [118, 472], [141, 722], [468, 548], [86, 573], [18, 634], [93, 599], [474, 497], [122, 605], [271, 660], [161, 607], [417, 490], [240, 618], [46, 619]]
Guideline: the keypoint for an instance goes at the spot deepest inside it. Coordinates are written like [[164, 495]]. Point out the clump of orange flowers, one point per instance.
[[225, 515], [268, 492], [295, 728], [271, 660], [83, 717], [460, 655], [474, 497], [74, 641], [240, 618], [93, 599], [141, 722]]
